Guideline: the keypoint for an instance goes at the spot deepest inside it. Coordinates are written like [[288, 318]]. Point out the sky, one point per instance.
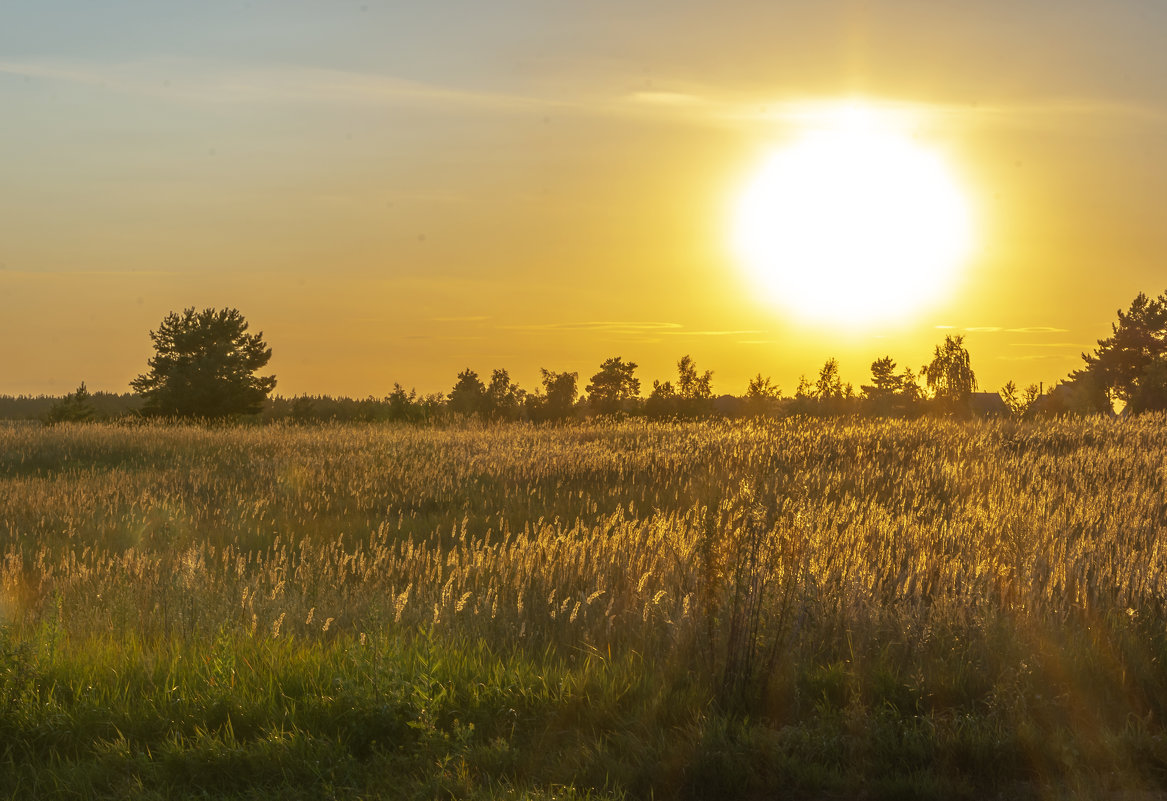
[[396, 191]]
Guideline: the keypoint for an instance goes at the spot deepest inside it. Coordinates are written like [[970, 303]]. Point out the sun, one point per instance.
[[853, 222]]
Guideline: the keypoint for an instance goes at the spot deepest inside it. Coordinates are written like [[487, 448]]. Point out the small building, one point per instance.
[[988, 404], [729, 406], [1081, 396]]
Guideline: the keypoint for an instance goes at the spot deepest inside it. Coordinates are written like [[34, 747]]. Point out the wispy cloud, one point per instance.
[[473, 318], [607, 326], [632, 328], [715, 333], [1048, 345], [195, 81], [1027, 357], [710, 105], [200, 81], [86, 273], [997, 329]]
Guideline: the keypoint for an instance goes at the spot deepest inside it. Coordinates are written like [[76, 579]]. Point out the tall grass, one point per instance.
[[805, 573]]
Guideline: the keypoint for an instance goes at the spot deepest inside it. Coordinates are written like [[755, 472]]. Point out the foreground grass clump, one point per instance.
[[902, 609]]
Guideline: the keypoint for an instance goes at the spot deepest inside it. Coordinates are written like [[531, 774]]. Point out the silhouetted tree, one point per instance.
[[559, 393], [804, 401], [1019, 401], [614, 385], [432, 407], [204, 365], [950, 376], [881, 393], [828, 390], [1150, 393], [694, 391], [1121, 362], [303, 409], [662, 401], [691, 386], [884, 381], [402, 404], [504, 398], [890, 393], [762, 395], [911, 393], [761, 387], [76, 407], [468, 397], [829, 386]]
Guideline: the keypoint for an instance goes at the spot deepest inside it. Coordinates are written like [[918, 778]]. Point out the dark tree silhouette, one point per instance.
[[889, 393], [884, 381], [402, 405], [1150, 394], [762, 388], [1125, 364], [76, 407], [560, 391], [613, 385], [303, 409], [691, 386], [950, 375], [662, 401], [1019, 401], [204, 366], [762, 395], [504, 398], [468, 397], [691, 396], [829, 387]]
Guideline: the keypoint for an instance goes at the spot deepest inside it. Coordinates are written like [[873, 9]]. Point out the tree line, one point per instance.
[[207, 366]]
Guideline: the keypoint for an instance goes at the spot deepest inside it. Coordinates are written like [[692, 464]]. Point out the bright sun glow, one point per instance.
[[853, 222]]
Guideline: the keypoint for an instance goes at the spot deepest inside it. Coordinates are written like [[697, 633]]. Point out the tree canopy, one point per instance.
[[614, 384], [76, 407], [204, 365], [1131, 363], [468, 397], [558, 400], [950, 375]]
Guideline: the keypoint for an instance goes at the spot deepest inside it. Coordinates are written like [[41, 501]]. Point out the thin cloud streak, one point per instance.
[[1074, 345], [50, 273], [997, 329], [199, 82], [707, 107], [599, 325], [630, 328], [714, 333]]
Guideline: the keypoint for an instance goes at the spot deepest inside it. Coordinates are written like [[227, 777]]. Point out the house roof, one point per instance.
[[987, 403]]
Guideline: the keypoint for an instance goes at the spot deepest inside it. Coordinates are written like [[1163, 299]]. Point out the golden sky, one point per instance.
[[397, 191]]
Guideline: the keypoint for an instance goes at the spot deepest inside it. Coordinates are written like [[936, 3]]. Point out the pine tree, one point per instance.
[[204, 366]]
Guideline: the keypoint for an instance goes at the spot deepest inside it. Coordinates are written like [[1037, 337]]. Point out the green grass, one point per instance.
[[417, 718]]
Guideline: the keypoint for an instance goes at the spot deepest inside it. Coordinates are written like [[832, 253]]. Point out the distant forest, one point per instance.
[[206, 366], [945, 387]]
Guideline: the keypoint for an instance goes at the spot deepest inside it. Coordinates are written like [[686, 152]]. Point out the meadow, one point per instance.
[[807, 608]]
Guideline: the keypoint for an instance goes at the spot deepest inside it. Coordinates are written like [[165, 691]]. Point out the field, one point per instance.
[[808, 608]]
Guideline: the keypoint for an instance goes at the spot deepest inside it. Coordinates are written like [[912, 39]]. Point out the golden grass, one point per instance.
[[596, 536]]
